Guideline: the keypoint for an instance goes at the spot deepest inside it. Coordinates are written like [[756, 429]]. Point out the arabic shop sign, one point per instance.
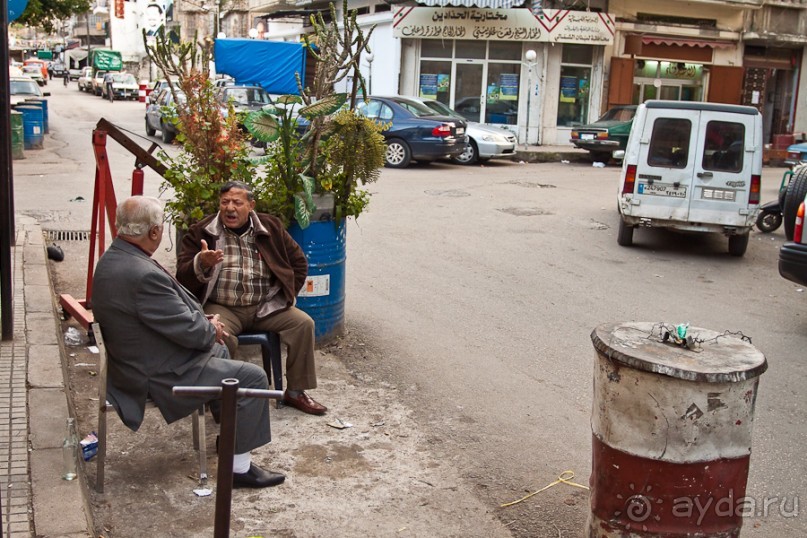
[[549, 25]]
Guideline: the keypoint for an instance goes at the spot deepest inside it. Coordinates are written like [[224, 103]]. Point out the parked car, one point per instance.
[[85, 79], [124, 86], [796, 154], [34, 73], [245, 98], [73, 74], [607, 134], [157, 87], [97, 83], [155, 115], [414, 131], [692, 167], [484, 141], [22, 88], [793, 254], [41, 64], [58, 68], [224, 81]]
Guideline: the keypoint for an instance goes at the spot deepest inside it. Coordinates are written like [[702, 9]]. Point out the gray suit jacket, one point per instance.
[[156, 334]]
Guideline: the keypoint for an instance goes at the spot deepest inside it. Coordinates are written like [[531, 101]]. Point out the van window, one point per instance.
[[723, 149], [669, 144]]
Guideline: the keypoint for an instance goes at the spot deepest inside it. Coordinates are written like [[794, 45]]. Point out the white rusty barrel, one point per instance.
[[671, 432]]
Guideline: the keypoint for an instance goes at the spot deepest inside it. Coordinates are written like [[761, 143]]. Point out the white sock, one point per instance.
[[241, 462]]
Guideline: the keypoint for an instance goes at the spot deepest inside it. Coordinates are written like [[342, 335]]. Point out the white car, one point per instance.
[[85, 79], [22, 88], [484, 141], [124, 86], [35, 73]]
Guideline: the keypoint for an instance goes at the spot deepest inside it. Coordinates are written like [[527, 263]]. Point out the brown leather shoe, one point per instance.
[[304, 403]]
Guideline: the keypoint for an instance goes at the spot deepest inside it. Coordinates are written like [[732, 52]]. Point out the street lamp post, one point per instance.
[[370, 58], [530, 56]]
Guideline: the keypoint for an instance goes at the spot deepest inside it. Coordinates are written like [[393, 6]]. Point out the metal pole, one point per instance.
[[6, 185], [529, 94], [224, 478]]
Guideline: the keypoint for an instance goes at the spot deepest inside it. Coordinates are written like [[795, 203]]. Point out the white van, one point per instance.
[[694, 167]]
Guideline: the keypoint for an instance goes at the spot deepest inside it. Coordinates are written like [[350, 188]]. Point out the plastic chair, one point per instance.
[[270, 350], [104, 406]]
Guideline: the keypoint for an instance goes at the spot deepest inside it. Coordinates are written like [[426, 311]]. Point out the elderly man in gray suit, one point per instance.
[[158, 337]]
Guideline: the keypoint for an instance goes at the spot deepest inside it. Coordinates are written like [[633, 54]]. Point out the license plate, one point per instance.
[[460, 130], [586, 136], [660, 189]]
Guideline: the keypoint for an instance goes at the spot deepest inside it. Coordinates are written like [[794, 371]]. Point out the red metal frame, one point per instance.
[[103, 200]]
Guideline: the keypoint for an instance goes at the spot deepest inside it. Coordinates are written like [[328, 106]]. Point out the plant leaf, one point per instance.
[[289, 100], [325, 106], [301, 213], [262, 125]]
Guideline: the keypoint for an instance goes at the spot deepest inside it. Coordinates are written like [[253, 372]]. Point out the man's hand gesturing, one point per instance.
[[209, 258]]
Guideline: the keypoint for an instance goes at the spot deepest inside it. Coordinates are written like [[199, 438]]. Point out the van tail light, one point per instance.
[[442, 130], [630, 180], [798, 231], [756, 186]]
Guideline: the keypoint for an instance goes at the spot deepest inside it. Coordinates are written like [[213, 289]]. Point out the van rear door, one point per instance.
[[664, 176], [724, 164]]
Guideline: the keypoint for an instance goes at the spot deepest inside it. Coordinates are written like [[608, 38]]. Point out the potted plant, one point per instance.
[[331, 159]]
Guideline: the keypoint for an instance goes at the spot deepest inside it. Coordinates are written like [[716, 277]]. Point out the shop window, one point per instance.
[[471, 49], [669, 143], [505, 50], [436, 48], [575, 85], [501, 95], [435, 81]]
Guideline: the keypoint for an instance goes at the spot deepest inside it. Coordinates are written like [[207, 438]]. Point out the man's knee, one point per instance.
[[252, 376]]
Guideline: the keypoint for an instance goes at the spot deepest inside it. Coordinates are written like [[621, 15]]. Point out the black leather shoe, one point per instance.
[[257, 478]]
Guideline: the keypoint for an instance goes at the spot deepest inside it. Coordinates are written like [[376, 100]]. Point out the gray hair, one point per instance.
[[227, 187], [136, 215]]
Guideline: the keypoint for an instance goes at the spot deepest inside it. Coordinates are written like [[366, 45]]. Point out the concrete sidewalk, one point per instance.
[[34, 499]]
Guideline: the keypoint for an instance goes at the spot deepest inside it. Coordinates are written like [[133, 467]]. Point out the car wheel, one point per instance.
[[796, 190], [149, 130], [625, 235], [167, 135], [738, 244], [470, 155], [398, 154]]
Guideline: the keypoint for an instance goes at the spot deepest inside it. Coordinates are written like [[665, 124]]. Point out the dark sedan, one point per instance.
[[607, 134], [155, 115], [414, 132]]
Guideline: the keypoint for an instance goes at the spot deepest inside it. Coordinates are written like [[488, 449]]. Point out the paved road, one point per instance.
[[476, 289]]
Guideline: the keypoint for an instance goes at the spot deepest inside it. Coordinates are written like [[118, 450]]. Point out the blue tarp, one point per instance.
[[270, 64]]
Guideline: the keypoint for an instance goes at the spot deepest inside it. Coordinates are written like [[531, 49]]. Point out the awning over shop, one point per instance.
[[485, 4], [685, 42]]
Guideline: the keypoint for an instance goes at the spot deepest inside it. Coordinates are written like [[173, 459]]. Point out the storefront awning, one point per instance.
[[485, 4], [684, 42]]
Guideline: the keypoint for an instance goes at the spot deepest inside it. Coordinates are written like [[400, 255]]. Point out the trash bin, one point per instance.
[[40, 102], [33, 130], [17, 135], [141, 91], [671, 431]]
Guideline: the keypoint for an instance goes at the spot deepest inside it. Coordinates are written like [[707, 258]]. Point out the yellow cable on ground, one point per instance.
[[564, 478]]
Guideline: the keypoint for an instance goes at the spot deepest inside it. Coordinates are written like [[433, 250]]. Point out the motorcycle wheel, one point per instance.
[[768, 222]]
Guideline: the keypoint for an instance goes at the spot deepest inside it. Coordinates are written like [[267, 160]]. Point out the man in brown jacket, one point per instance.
[[245, 267]]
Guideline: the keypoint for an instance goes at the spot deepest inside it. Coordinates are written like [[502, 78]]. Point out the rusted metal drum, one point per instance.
[[671, 432]]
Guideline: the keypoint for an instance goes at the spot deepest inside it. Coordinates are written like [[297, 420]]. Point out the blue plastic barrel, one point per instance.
[[323, 294], [41, 102], [32, 126]]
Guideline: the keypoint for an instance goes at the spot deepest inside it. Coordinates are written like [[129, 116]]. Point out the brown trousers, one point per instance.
[[296, 331]]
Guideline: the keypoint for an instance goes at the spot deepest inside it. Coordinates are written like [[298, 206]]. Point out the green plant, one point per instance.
[[214, 146], [340, 149]]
